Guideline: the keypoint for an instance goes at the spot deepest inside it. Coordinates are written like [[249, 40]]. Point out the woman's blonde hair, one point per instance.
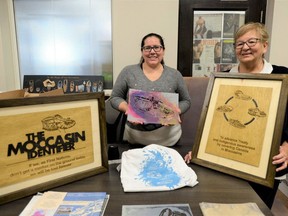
[[258, 27]]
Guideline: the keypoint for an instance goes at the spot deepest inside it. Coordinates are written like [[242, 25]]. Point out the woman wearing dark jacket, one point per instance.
[[251, 43]]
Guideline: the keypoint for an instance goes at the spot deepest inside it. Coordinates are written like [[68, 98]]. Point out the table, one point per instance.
[[213, 186]]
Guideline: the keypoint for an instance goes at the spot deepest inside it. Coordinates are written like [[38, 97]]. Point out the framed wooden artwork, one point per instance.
[[241, 124], [50, 141]]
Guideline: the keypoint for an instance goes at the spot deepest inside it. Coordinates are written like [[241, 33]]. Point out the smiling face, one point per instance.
[[152, 58], [251, 54]]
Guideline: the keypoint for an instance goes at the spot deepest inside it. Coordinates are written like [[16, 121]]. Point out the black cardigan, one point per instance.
[[282, 70]]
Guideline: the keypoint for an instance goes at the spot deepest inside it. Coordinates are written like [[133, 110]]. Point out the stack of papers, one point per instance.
[[53, 203]]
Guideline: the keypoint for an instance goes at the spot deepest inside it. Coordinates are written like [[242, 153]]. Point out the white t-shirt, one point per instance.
[[155, 168], [267, 69]]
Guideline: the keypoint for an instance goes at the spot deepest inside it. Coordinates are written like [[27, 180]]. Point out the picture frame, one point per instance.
[[235, 14], [241, 124], [68, 83], [213, 38], [50, 141]]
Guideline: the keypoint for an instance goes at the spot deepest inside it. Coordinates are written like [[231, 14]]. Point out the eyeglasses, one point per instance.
[[250, 43], [156, 48]]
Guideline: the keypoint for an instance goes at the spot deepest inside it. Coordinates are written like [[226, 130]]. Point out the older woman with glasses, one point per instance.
[[151, 74], [251, 43]]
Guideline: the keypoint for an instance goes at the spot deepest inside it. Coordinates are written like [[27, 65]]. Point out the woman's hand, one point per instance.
[[124, 108], [179, 113], [188, 157], [282, 157], [136, 122]]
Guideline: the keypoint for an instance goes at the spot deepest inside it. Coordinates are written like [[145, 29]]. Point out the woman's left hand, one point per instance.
[[188, 157], [282, 157], [179, 112]]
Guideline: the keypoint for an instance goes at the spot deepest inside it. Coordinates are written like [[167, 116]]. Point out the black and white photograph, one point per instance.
[[157, 210]]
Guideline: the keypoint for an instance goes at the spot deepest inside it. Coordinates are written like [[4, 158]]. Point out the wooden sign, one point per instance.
[[241, 125], [50, 141]]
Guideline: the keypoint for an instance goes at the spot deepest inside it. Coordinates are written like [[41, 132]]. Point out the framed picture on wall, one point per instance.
[[50, 141], [206, 33], [69, 84], [213, 38], [241, 125]]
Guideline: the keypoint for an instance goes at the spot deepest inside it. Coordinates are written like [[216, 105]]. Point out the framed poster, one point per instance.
[[50, 141], [213, 38], [204, 44], [69, 84], [241, 125]]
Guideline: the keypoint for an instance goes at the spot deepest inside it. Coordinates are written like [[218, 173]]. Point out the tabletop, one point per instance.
[[213, 187]]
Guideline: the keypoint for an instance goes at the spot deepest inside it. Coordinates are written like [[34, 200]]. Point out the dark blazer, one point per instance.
[[282, 70]]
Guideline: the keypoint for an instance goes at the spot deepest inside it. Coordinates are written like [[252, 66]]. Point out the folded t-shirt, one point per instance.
[[155, 168]]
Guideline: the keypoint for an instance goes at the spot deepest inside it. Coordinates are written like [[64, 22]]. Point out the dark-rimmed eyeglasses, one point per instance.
[[156, 48], [250, 43]]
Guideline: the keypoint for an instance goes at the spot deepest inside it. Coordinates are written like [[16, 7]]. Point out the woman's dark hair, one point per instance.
[[152, 35]]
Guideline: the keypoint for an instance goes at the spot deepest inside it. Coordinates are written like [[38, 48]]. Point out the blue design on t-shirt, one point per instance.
[[158, 171]]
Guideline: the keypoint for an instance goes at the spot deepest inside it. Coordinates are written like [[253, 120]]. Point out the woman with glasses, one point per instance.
[[151, 74], [251, 43]]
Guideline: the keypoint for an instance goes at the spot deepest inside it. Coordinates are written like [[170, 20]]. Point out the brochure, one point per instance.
[[53, 203]]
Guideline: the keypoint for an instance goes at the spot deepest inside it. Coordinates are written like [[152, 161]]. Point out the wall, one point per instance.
[[276, 18], [9, 72], [131, 20]]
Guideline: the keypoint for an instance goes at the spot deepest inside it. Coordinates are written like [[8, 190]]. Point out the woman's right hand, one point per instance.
[[123, 107], [136, 122], [188, 157]]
